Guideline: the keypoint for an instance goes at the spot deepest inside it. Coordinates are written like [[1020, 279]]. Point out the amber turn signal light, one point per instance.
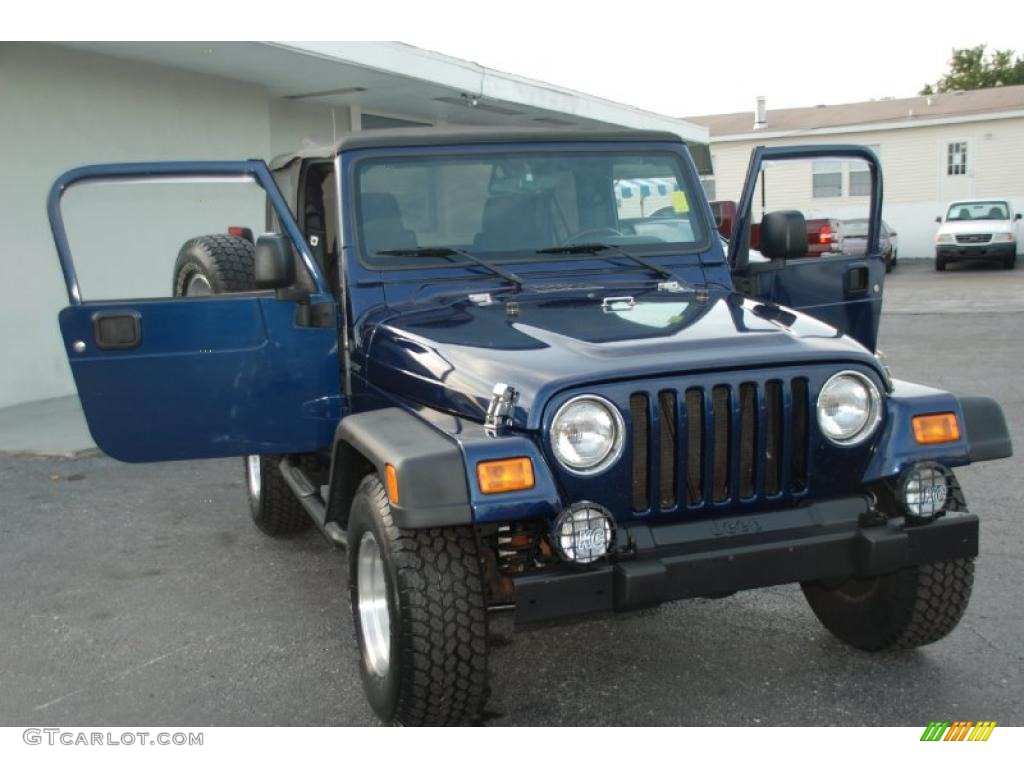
[[391, 481], [505, 475], [936, 428]]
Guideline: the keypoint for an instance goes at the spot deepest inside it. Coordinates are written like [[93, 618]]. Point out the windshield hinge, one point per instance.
[[673, 286], [499, 410]]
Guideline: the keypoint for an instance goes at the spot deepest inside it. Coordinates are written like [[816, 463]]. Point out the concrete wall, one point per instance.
[[62, 108], [917, 188]]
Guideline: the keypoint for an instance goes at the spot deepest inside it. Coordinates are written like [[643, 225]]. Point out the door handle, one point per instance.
[[856, 280], [117, 330]]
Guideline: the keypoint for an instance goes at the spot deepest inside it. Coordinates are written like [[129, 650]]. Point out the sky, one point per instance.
[[685, 58]]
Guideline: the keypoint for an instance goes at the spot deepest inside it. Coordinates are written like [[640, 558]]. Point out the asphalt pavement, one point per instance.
[[141, 594]]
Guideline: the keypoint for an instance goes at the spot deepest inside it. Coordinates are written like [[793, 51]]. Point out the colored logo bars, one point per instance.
[[961, 730]]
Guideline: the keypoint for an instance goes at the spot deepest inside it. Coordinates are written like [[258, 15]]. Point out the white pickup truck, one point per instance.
[[977, 229]]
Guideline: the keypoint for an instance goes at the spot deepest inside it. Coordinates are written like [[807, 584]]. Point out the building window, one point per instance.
[[860, 175], [828, 178], [708, 183], [956, 158]]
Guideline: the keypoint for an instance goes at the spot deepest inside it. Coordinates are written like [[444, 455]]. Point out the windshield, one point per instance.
[[986, 211], [506, 206]]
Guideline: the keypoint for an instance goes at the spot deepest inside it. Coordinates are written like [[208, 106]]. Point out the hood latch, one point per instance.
[[499, 410]]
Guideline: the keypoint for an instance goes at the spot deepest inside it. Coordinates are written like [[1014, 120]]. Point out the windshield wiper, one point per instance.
[[597, 247], [444, 250]]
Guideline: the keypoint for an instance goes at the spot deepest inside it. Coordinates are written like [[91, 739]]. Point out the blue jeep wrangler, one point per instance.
[[469, 358]]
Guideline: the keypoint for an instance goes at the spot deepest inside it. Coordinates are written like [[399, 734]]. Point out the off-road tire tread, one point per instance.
[[280, 514], [442, 619], [913, 607], [228, 263], [943, 592]]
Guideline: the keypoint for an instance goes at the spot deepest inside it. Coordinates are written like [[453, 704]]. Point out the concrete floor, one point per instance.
[[54, 427], [135, 594]]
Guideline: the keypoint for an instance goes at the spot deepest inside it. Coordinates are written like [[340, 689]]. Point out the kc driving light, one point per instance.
[[583, 532], [587, 434], [925, 491], [849, 408]]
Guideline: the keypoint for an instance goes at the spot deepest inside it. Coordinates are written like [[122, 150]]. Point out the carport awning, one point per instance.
[[398, 80]]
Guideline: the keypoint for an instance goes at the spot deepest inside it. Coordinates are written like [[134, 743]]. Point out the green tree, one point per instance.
[[970, 68]]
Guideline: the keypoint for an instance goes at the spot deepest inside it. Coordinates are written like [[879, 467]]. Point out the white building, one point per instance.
[[64, 105], [933, 149]]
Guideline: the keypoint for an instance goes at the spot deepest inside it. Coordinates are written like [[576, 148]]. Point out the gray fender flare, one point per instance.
[[432, 488], [987, 435]]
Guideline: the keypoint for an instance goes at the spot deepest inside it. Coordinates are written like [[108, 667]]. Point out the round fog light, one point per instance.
[[925, 491], [583, 532]]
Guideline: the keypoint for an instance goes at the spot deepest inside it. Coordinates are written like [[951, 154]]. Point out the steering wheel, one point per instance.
[[586, 235]]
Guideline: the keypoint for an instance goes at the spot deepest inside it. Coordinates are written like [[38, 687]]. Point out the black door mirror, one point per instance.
[[938, 219], [1017, 217], [784, 235], [274, 265]]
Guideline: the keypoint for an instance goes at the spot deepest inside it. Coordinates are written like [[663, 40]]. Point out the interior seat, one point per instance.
[[383, 229], [515, 221]]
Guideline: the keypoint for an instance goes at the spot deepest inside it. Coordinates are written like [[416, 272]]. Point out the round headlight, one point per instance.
[[849, 408], [587, 434]]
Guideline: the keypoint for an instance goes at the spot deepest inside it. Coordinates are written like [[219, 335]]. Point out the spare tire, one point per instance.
[[214, 264]]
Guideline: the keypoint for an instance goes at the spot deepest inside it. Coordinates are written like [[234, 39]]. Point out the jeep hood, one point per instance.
[[449, 354]]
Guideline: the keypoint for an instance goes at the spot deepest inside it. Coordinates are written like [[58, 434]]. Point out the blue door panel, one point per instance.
[[211, 377], [845, 292], [817, 286], [227, 375]]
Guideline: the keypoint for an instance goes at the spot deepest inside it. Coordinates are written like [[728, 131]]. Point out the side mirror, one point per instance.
[[274, 263], [938, 219], [784, 235], [1016, 217]]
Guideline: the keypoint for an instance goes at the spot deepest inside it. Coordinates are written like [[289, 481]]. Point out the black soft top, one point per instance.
[[422, 137]]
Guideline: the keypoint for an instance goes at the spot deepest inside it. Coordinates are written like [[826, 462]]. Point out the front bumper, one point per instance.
[[823, 540], [986, 251]]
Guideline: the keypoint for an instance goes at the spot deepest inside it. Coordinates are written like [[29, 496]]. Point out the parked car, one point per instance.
[[824, 236], [855, 239], [975, 230], [514, 409]]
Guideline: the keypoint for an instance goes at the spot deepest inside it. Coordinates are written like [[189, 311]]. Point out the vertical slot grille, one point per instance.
[[694, 446], [718, 444], [668, 449], [748, 438], [639, 415], [798, 450], [720, 408], [773, 438]]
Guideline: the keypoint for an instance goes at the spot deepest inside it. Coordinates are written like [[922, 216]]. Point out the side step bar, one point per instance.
[[309, 496]]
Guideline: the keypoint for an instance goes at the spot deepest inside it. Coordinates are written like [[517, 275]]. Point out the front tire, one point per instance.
[[940, 263], [1010, 261], [419, 614], [273, 506], [912, 607]]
